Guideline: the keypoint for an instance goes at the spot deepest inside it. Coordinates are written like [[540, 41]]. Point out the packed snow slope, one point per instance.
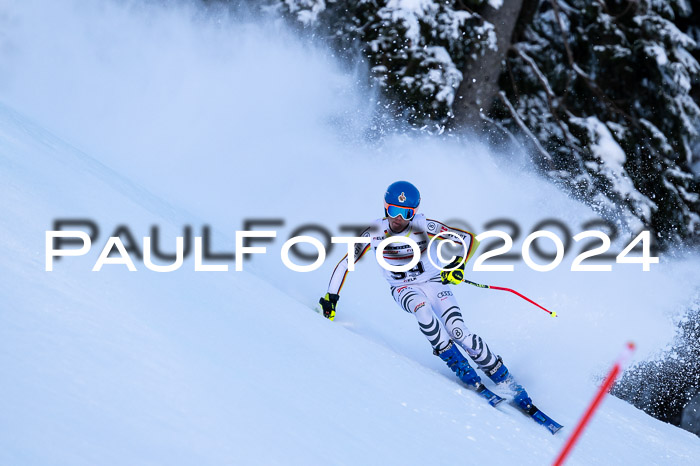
[[141, 116]]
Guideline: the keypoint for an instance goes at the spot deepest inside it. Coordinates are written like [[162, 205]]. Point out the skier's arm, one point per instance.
[[341, 270], [468, 237], [337, 281]]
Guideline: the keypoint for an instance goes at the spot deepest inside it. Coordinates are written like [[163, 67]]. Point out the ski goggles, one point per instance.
[[394, 211]]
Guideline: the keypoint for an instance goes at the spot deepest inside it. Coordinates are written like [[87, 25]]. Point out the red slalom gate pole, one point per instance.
[[491, 287], [612, 375]]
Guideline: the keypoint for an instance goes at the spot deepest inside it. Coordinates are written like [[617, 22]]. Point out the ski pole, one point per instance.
[[553, 314]]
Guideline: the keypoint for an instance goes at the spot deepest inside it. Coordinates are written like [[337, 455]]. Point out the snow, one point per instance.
[[610, 160], [668, 31], [691, 415], [170, 120], [658, 53], [408, 12], [606, 147], [307, 11], [495, 4]]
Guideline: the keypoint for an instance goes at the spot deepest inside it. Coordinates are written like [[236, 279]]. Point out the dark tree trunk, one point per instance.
[[479, 87]]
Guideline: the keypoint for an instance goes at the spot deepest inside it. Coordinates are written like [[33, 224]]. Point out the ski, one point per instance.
[[541, 418], [490, 396]]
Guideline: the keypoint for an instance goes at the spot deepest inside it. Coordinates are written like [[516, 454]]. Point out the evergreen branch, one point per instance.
[[590, 82], [545, 155], [505, 130], [540, 76], [564, 38], [548, 90]]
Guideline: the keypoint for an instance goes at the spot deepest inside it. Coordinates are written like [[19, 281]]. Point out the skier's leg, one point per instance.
[[412, 299], [445, 305], [494, 368]]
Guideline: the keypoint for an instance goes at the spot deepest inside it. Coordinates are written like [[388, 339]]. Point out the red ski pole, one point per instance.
[[612, 375], [553, 314]]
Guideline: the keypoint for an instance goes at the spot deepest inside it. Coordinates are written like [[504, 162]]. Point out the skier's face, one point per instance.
[[397, 214], [398, 224]]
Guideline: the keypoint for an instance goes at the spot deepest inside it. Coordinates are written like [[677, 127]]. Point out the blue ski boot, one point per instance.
[[521, 397], [458, 363], [499, 373], [500, 376]]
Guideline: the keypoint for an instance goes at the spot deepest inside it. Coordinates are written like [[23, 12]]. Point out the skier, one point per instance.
[[423, 291]]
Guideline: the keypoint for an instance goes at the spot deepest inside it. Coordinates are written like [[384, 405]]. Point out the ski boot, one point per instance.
[[500, 376], [458, 363]]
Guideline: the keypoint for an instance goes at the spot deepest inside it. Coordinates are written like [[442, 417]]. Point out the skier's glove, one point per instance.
[[453, 277], [328, 303]]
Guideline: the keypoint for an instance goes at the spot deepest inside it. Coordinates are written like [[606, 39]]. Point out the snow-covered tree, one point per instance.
[[664, 385], [601, 90], [690, 24], [604, 86], [605, 90], [414, 49]]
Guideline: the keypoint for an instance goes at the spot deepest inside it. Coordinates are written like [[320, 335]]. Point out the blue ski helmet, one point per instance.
[[401, 198]]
